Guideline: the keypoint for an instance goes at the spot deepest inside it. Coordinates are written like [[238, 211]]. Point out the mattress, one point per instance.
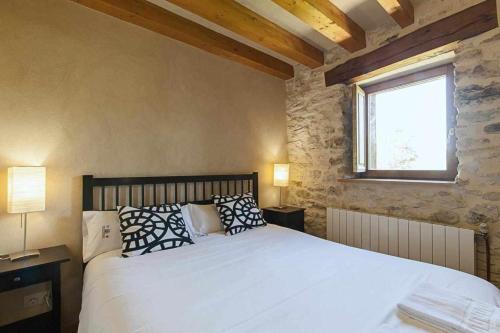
[[268, 279]]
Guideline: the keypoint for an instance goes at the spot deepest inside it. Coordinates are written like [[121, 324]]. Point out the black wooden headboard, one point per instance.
[[107, 193]]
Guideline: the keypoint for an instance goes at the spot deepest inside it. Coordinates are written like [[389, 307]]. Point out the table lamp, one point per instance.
[[281, 172], [25, 194]]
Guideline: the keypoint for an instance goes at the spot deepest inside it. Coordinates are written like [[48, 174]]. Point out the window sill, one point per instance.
[[395, 181]]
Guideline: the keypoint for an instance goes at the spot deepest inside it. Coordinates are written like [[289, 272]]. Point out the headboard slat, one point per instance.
[[154, 194], [142, 194], [190, 192], [117, 195], [130, 195]]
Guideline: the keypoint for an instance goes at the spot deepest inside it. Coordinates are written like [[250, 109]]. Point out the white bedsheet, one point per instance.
[[269, 279]]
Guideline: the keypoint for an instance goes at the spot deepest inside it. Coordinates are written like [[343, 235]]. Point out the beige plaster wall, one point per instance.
[[84, 93]]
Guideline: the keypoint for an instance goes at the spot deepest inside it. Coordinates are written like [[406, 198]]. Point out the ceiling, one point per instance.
[[367, 13], [272, 36]]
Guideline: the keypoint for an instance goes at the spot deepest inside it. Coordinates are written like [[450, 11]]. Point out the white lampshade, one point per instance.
[[281, 172], [26, 189]]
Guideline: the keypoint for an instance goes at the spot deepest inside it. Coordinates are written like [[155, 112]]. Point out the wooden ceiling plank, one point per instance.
[[160, 20], [326, 18], [437, 37], [239, 19], [400, 10]]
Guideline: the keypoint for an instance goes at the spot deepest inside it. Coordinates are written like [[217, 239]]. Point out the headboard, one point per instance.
[[107, 193]]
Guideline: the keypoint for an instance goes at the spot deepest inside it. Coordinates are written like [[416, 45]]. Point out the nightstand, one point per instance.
[[30, 292], [289, 217]]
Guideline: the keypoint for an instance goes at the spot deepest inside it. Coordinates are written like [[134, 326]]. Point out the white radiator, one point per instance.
[[432, 243]]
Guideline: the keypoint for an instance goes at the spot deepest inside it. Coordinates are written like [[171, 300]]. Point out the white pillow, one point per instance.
[[187, 220], [205, 219], [101, 233]]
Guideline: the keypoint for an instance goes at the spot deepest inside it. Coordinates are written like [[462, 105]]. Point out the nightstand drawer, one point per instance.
[[25, 303], [296, 224], [288, 217], [19, 279]]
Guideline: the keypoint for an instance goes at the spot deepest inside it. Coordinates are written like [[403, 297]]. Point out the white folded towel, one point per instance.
[[447, 311]]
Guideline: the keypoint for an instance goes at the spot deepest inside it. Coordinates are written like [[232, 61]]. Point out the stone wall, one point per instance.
[[319, 147]]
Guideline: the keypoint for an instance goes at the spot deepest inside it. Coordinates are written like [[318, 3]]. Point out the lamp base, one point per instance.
[[23, 255], [280, 207]]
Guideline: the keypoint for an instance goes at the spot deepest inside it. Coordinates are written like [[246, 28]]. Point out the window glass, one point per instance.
[[408, 127]]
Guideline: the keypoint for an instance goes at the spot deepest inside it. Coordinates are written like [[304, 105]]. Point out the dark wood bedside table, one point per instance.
[[32, 280], [289, 217]]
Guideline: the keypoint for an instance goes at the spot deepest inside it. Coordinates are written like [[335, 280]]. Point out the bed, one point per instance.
[[269, 279]]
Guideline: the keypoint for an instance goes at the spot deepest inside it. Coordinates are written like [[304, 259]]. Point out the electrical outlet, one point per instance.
[[34, 299]]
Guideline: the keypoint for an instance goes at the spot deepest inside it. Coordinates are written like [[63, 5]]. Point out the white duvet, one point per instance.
[[269, 279]]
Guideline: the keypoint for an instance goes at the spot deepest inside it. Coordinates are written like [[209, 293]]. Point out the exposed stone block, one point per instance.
[[492, 128], [482, 213], [446, 217], [492, 196], [478, 94], [478, 116]]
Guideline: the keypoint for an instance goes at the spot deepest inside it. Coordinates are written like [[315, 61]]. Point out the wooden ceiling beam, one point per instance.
[[324, 17], [239, 19], [400, 10], [435, 38], [160, 20]]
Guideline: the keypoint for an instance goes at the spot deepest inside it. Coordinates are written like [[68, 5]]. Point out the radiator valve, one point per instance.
[[483, 228]]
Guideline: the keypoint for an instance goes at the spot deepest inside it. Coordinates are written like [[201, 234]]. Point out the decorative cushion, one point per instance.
[[150, 229], [186, 217], [238, 213]]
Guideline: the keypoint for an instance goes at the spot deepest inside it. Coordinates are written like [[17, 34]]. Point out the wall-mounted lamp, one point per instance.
[[281, 172], [25, 194]]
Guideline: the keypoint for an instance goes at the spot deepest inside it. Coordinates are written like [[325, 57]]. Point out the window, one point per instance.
[[403, 127]]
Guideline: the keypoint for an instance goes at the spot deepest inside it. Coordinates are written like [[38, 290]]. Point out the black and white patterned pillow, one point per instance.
[[148, 229], [164, 208], [238, 213]]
